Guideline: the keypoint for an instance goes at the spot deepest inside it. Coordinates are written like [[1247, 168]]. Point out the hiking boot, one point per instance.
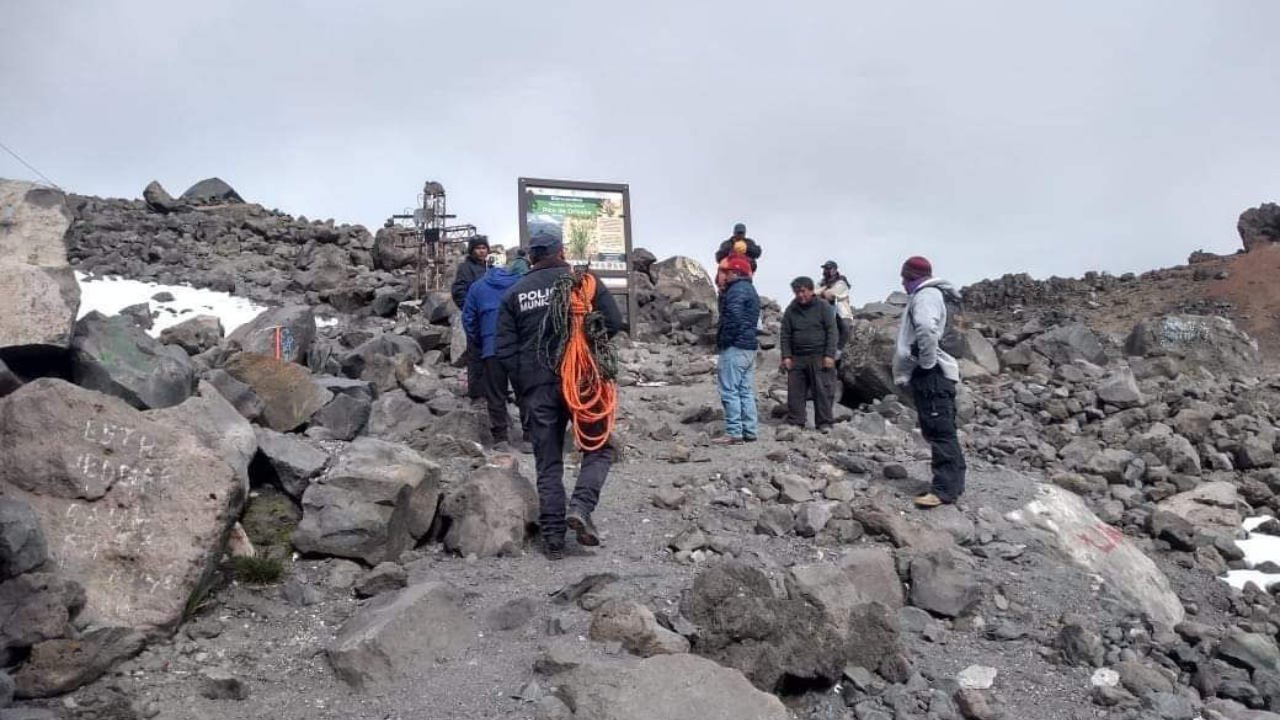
[[553, 552], [928, 500], [580, 523], [728, 440], [748, 438], [525, 447]]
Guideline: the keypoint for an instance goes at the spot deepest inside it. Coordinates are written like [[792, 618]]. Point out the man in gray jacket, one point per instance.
[[931, 375]]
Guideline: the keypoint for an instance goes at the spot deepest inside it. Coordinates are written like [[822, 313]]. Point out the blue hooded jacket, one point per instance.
[[480, 311]]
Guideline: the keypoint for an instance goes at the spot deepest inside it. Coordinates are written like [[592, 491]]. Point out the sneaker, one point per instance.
[[728, 440], [928, 500], [580, 523]]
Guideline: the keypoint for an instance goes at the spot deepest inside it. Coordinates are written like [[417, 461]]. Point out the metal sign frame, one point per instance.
[[627, 292]]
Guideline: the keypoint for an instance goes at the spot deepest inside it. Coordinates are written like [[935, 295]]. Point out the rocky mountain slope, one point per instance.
[[303, 521]]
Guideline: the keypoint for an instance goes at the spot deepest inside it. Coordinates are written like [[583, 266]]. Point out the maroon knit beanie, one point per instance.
[[916, 267]]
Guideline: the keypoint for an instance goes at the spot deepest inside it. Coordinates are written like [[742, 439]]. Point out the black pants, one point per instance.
[[935, 398], [496, 386], [844, 328], [808, 376], [475, 373], [548, 420]]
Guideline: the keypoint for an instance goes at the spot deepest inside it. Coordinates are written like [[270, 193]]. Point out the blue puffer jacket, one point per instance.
[[480, 311], [739, 316]]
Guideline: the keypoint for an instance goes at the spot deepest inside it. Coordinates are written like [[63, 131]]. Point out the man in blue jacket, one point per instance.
[[480, 320], [736, 340]]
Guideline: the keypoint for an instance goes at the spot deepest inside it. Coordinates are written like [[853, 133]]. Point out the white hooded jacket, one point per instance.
[[923, 324]]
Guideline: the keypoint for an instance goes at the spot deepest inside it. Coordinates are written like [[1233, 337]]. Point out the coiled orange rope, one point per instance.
[[592, 397]]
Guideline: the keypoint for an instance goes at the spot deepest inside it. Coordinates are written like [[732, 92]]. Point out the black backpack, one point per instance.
[[952, 340]]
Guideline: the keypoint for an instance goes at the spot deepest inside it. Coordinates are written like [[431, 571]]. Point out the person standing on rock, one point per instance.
[[472, 268], [835, 290], [527, 344], [739, 244], [736, 340], [931, 375], [809, 336], [480, 321]]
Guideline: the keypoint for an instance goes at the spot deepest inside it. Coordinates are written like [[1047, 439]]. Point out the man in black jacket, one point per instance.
[[809, 334], [469, 271], [740, 244], [526, 348]]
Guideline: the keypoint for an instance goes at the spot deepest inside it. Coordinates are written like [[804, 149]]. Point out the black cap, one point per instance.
[[830, 265], [476, 241], [544, 240], [739, 229]]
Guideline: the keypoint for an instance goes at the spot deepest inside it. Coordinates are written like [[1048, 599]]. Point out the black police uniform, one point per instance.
[[527, 355]]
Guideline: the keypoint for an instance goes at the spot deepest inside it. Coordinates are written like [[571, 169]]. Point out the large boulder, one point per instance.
[[376, 500], [682, 279], [114, 356], [393, 248], [211, 191], [1259, 226], [39, 295], [383, 345], [778, 641], [636, 627], [1129, 576], [137, 510], [400, 636], [291, 328], [217, 424], [491, 512], [196, 335], [1211, 506], [159, 199], [866, 373], [1067, 344], [670, 687], [1206, 341], [860, 576], [396, 417], [979, 350], [290, 396], [22, 543], [942, 586], [35, 607], [344, 417], [60, 666], [294, 462]]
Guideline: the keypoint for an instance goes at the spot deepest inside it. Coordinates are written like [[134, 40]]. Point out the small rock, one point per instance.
[[977, 677], [219, 684], [385, 577]]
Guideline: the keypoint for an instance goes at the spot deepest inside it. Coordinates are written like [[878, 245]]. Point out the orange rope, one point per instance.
[[591, 398]]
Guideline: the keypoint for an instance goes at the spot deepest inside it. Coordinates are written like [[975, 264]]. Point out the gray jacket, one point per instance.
[[922, 327]]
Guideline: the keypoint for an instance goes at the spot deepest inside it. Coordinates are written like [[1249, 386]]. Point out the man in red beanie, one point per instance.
[[736, 340], [931, 375]]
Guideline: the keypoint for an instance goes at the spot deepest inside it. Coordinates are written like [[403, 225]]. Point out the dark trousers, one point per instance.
[[935, 398], [548, 421], [496, 386], [475, 373], [808, 376]]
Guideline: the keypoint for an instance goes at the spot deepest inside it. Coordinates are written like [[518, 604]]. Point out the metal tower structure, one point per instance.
[[427, 231]]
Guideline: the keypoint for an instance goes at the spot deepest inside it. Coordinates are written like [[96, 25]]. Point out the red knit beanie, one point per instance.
[[737, 263], [916, 267]]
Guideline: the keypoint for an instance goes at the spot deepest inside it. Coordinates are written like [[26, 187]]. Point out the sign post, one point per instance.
[[594, 221]]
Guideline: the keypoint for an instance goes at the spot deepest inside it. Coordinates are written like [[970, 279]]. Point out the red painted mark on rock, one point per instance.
[[1102, 537]]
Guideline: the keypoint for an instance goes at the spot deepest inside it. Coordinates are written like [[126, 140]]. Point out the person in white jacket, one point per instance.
[[931, 375], [835, 290]]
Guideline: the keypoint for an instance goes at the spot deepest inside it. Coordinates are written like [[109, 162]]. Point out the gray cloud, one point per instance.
[[992, 137]]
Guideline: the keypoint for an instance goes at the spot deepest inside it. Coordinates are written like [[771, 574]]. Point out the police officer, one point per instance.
[[527, 350]]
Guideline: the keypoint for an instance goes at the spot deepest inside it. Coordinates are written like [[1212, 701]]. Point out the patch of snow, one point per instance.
[[1105, 677], [326, 322], [110, 295], [1257, 548]]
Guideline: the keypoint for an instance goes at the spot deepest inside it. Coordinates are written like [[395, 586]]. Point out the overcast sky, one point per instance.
[[992, 137]]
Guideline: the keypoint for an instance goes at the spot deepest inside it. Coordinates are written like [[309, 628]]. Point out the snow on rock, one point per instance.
[[1257, 548], [110, 295]]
